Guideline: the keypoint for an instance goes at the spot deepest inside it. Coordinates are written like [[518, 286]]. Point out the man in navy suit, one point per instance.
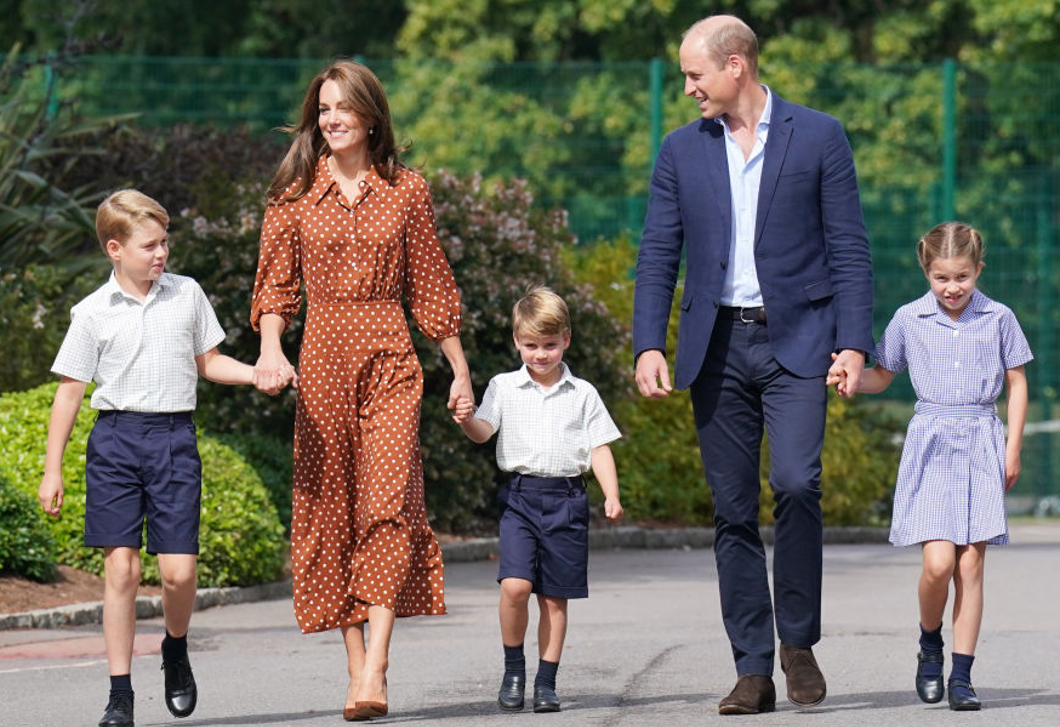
[[762, 197]]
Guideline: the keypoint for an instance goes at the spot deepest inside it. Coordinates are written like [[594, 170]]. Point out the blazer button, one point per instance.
[[723, 264]]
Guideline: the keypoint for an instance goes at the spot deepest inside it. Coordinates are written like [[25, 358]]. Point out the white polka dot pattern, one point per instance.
[[359, 532]]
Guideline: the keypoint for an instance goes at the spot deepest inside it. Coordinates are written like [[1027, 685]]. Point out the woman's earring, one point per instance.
[[371, 131]]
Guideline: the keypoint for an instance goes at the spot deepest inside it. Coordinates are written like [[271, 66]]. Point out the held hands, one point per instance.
[[461, 398], [463, 410], [273, 372], [845, 372]]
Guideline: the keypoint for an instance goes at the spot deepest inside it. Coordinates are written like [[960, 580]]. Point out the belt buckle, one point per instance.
[[742, 319]]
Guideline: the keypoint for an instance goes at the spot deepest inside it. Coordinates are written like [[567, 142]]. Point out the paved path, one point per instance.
[[647, 648]]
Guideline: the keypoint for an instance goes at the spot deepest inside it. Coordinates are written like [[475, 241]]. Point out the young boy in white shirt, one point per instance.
[[551, 428], [143, 337]]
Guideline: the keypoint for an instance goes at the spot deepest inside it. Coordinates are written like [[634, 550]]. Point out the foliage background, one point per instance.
[[555, 92]]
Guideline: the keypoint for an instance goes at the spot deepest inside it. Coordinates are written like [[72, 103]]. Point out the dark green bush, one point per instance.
[[241, 536], [271, 459], [497, 244], [26, 545], [34, 315]]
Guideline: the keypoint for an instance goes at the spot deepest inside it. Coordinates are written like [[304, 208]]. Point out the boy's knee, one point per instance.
[[122, 570], [516, 589]]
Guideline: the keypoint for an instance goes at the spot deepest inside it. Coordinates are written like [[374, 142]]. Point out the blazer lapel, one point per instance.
[[717, 172], [780, 128]]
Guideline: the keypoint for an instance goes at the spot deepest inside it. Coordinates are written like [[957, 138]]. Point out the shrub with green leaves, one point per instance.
[[498, 244], [242, 540], [26, 545], [35, 313], [271, 459]]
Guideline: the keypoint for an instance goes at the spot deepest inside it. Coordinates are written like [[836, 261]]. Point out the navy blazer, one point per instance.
[[811, 249]]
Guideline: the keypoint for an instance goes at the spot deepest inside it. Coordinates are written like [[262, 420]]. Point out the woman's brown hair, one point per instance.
[[365, 95]]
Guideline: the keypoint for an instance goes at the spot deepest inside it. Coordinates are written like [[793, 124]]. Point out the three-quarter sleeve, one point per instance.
[[430, 287], [277, 286]]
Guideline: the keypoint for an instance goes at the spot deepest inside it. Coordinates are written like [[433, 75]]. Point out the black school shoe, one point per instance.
[[510, 697], [929, 689], [545, 699], [181, 693], [965, 700], [119, 711]]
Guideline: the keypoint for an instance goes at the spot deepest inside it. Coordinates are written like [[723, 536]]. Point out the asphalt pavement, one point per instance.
[[647, 647]]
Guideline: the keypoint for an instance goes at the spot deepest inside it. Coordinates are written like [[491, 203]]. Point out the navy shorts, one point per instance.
[[544, 534], [143, 465]]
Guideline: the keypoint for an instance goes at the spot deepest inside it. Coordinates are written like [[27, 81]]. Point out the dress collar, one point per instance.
[[928, 305], [325, 180]]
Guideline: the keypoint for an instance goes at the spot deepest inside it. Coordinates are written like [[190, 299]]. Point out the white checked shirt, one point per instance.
[[141, 355], [740, 287], [546, 433]]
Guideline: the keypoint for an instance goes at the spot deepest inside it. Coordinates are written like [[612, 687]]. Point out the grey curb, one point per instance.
[[475, 549]]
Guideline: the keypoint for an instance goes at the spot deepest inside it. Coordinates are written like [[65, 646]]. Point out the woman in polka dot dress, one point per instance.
[[348, 219]]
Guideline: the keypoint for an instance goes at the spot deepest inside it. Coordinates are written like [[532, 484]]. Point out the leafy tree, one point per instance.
[[262, 28], [40, 217]]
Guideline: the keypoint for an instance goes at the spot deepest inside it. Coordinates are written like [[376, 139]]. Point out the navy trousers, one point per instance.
[[740, 391]]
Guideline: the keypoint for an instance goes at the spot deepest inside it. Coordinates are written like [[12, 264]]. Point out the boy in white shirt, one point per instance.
[[551, 428], [143, 337]]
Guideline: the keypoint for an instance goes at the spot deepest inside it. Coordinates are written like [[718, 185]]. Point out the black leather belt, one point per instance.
[[744, 315]]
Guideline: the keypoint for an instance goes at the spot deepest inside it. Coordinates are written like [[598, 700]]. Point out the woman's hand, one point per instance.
[[273, 372], [464, 410], [460, 390]]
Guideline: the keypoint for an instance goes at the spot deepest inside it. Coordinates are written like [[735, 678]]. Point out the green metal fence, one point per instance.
[[932, 142]]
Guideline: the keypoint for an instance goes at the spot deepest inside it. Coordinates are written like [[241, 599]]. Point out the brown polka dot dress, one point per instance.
[[359, 532]]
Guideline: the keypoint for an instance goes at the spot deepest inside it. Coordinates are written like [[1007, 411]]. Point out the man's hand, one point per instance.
[[845, 371], [653, 375]]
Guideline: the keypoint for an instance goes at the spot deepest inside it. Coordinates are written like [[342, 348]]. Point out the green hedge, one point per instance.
[[26, 545], [242, 540]]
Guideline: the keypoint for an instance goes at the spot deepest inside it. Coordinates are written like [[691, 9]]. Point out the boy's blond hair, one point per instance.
[[122, 212], [540, 313]]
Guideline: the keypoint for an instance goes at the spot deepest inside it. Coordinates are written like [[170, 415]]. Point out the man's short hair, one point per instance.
[[122, 212], [726, 35], [540, 313]]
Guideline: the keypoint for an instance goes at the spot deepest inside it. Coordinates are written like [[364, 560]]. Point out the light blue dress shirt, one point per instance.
[[745, 176]]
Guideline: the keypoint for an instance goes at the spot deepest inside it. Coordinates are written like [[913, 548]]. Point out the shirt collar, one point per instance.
[[523, 378], [928, 305], [112, 289], [763, 121], [324, 181]]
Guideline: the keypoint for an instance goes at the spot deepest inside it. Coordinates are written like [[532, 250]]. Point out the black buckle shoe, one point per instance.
[[510, 697], [545, 699], [119, 711], [929, 689], [961, 701], [181, 693]]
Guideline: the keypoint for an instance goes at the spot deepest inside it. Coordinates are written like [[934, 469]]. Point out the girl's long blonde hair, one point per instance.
[[365, 95]]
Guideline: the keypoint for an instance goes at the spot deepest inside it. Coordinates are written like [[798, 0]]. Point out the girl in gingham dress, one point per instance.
[[959, 347]]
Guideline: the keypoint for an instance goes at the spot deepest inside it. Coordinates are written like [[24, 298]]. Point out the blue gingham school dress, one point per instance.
[[951, 480]]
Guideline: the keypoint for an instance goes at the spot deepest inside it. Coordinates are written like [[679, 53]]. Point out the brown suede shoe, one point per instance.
[[752, 694], [806, 687]]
